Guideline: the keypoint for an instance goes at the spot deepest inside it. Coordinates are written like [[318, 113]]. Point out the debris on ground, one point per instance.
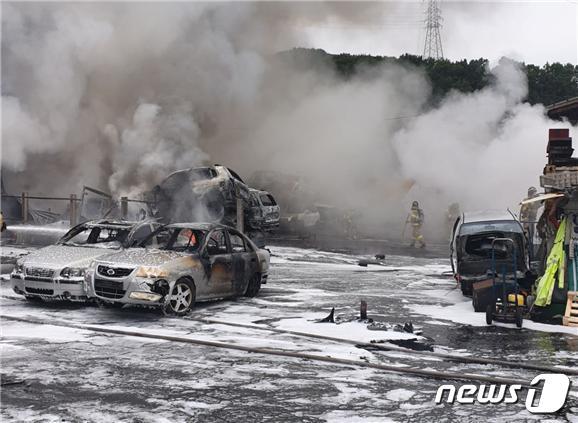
[[328, 319]]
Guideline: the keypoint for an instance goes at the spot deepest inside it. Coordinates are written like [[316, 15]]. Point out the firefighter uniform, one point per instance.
[[415, 219]]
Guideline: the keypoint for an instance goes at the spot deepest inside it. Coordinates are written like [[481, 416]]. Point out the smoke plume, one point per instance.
[[118, 95]]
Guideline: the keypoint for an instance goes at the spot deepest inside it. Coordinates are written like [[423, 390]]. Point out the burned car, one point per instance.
[[57, 271], [180, 265], [471, 247], [264, 212], [201, 194]]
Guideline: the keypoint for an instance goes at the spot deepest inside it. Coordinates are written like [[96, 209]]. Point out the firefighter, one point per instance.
[[350, 230], [529, 212], [2, 223], [415, 219]]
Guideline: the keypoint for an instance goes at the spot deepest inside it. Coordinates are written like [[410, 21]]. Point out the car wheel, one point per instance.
[[33, 299], [181, 300], [254, 286], [489, 314]]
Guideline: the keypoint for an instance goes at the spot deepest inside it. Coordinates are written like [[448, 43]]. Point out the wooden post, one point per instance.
[[363, 310], [123, 207], [24, 207], [73, 210]]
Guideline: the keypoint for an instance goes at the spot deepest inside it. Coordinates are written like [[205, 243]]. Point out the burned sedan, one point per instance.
[[264, 211], [57, 271], [180, 265]]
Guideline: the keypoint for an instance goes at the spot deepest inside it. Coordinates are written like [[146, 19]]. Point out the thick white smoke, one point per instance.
[[118, 95]]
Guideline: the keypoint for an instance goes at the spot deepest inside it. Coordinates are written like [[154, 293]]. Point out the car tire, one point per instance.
[[109, 305], [254, 286], [182, 298], [489, 314]]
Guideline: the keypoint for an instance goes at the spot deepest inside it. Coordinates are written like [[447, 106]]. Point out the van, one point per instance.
[[471, 248]]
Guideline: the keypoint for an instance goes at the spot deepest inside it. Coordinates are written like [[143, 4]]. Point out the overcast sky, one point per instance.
[[531, 31]]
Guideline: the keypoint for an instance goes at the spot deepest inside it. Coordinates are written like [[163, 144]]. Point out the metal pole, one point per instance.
[[123, 207], [73, 211], [387, 347], [280, 353], [240, 213], [24, 207]]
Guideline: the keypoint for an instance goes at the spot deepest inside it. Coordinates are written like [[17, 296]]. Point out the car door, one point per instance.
[[241, 261], [220, 278]]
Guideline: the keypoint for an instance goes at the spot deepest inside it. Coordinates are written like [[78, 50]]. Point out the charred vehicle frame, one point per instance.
[[181, 264], [207, 193]]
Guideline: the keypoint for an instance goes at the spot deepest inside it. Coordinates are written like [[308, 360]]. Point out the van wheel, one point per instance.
[[489, 314], [182, 298], [254, 286], [466, 290], [476, 303], [519, 318]]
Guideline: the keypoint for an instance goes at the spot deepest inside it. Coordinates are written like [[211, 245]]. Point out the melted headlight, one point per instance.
[[72, 272]]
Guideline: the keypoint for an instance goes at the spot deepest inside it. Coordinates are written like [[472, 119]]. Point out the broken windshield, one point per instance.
[[175, 239], [96, 236]]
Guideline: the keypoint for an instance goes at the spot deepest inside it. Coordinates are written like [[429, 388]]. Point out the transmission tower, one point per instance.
[[433, 40]]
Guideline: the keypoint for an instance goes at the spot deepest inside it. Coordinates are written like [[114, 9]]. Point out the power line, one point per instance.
[[433, 40]]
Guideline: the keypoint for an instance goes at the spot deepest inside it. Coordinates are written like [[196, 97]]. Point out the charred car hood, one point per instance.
[[59, 256], [143, 257]]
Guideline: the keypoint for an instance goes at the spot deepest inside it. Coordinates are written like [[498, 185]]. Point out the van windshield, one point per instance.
[[491, 226]]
